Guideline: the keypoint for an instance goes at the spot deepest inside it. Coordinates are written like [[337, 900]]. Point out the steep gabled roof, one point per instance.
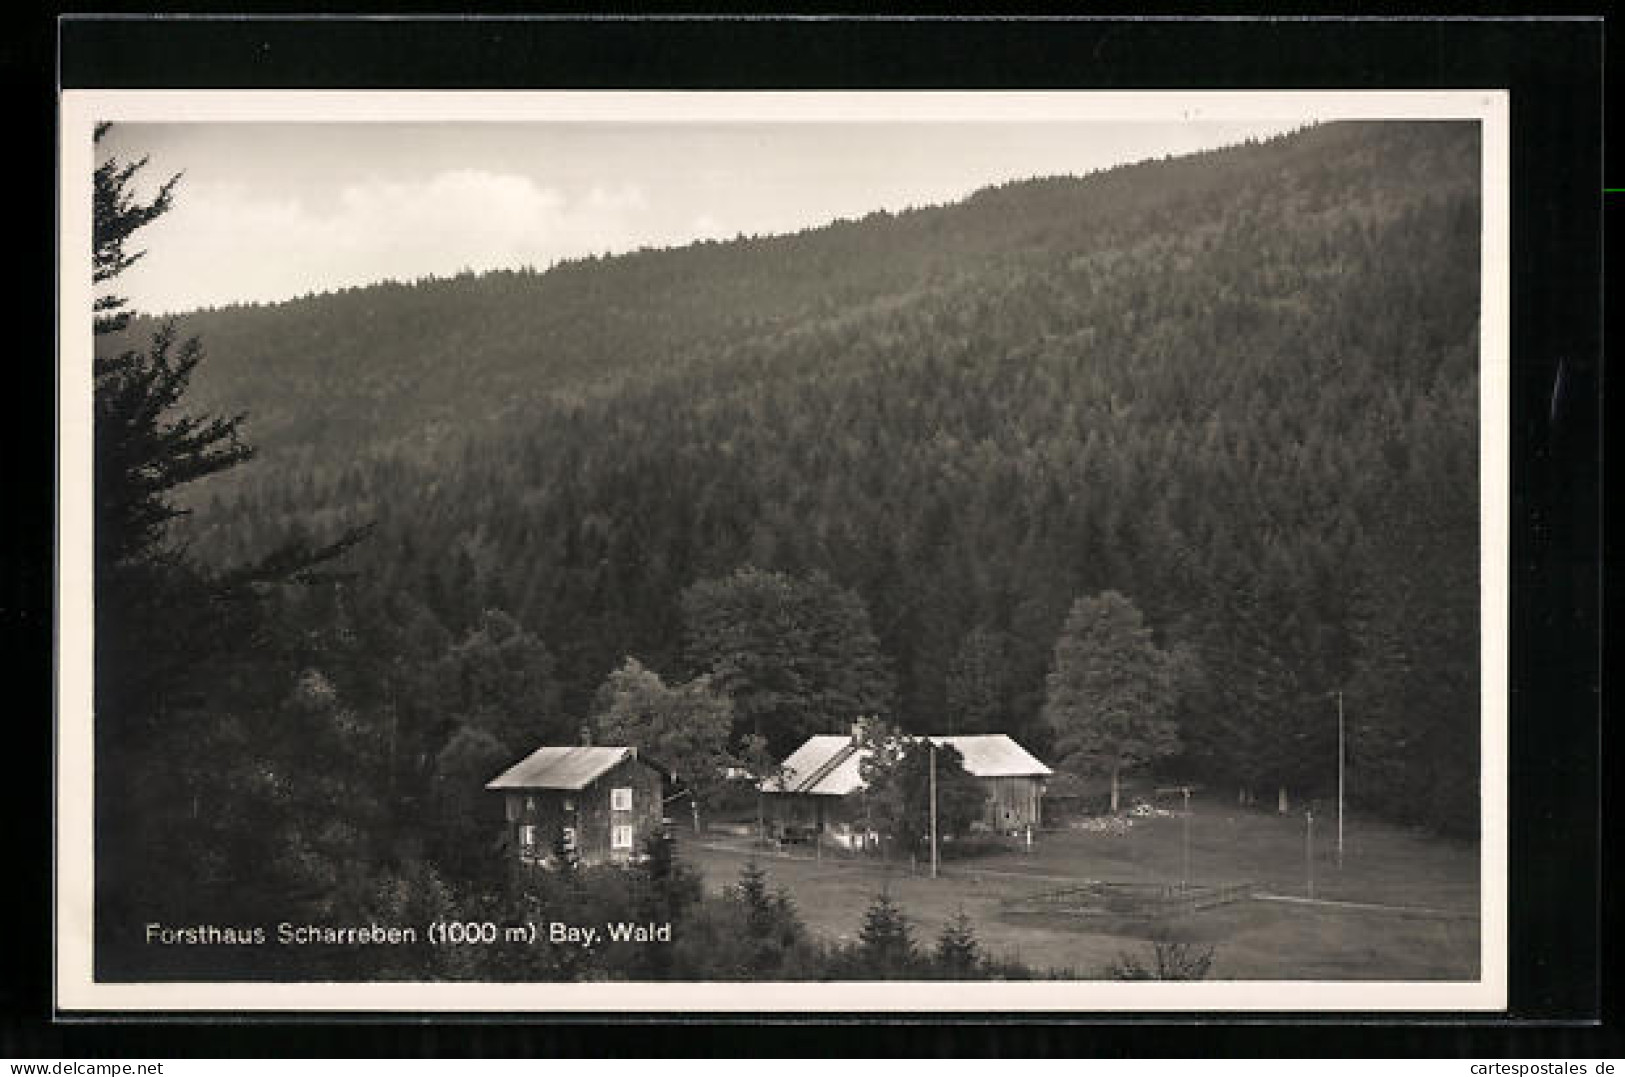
[[830, 764], [995, 755], [564, 768], [819, 763]]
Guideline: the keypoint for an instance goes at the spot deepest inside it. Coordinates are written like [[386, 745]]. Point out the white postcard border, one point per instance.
[[76, 989]]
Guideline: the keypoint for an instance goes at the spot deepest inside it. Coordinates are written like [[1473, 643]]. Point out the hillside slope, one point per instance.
[[1238, 387]]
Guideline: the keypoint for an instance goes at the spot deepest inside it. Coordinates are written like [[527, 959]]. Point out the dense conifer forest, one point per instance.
[[1238, 389]]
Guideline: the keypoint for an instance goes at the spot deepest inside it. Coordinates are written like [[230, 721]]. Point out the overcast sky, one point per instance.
[[271, 211]]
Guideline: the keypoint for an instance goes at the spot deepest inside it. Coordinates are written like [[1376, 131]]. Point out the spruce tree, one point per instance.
[[669, 886], [663, 891], [886, 941], [1110, 691], [773, 928], [978, 683], [958, 954], [117, 214], [753, 892]]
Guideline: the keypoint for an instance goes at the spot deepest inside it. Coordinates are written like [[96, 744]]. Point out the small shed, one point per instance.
[[602, 801], [815, 787]]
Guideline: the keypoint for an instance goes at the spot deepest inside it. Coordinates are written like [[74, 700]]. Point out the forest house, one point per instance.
[[602, 801], [816, 785]]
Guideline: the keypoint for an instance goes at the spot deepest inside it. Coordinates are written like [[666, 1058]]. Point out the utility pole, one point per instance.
[[1309, 846], [1185, 858], [1340, 779], [933, 745]]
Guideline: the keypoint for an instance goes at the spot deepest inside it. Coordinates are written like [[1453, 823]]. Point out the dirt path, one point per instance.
[[1368, 906]]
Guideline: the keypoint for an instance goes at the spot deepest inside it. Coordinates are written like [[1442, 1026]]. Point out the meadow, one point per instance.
[[1403, 905]]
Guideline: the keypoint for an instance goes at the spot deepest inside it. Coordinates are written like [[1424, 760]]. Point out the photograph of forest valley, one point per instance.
[[1074, 577]]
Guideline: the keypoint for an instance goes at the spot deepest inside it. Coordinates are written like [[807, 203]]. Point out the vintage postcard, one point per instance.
[[862, 552]]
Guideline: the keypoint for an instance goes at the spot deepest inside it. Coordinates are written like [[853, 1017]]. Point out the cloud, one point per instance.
[[705, 226], [225, 242]]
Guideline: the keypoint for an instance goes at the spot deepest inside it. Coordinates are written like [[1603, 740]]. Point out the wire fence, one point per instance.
[[1128, 899]]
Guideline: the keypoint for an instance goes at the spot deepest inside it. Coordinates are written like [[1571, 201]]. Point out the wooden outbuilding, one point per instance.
[[815, 791], [603, 802]]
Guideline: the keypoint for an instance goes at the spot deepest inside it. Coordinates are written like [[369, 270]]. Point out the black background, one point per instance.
[[1554, 70]]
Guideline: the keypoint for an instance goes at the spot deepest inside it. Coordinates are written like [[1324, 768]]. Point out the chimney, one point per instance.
[[586, 736]]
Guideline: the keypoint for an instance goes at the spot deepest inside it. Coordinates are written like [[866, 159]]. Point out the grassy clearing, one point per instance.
[[1382, 865]]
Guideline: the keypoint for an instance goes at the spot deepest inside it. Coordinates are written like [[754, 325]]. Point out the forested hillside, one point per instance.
[[1239, 388]]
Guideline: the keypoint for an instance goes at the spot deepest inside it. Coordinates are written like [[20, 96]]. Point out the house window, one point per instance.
[[569, 803], [620, 800], [569, 837], [620, 837], [527, 840], [530, 804]]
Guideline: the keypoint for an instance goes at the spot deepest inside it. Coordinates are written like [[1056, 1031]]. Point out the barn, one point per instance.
[[603, 801], [815, 787]]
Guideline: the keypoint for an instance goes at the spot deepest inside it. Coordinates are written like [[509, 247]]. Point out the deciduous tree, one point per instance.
[[685, 726], [896, 770], [796, 656], [500, 677]]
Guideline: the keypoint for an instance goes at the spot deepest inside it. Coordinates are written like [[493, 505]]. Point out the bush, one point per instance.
[[1169, 961]]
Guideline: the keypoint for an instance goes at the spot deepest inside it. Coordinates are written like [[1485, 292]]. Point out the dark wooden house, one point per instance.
[[602, 801], [817, 786]]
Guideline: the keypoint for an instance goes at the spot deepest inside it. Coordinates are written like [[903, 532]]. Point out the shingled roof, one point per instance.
[[830, 764], [564, 768]]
